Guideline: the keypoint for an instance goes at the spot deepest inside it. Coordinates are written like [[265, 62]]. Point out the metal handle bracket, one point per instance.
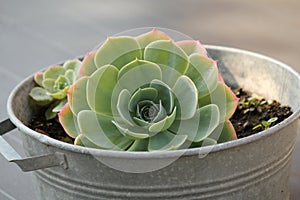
[[29, 163], [6, 126]]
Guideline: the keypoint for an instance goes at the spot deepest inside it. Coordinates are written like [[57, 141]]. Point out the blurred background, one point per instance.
[[35, 34]]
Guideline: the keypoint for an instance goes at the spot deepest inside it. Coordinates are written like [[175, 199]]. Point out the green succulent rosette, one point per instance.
[[53, 85], [149, 93]]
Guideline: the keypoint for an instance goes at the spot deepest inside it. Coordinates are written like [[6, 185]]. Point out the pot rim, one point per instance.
[[158, 154]]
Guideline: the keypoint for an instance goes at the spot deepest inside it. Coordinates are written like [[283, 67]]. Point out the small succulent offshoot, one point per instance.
[[53, 85], [149, 93]]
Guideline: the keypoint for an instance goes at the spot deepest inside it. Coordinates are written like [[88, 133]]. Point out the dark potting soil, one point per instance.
[[252, 115], [255, 114], [51, 128]]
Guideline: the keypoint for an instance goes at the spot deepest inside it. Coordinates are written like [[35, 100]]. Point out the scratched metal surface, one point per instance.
[[35, 34]]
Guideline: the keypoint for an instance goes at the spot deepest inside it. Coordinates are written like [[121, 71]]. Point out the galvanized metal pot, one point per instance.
[[255, 167]]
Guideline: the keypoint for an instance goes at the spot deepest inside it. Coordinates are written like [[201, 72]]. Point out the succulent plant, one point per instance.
[[149, 93], [53, 85]]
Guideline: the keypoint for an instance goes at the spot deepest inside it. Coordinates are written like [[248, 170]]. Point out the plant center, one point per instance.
[[61, 83], [148, 112]]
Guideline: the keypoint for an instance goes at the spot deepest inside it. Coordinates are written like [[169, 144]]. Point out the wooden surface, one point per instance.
[[35, 34]]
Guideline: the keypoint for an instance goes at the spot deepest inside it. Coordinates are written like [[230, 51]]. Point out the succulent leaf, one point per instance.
[[69, 121], [203, 143], [60, 95], [165, 94], [165, 141], [149, 37], [134, 132], [71, 77], [77, 96], [169, 75], [142, 72], [50, 114], [141, 122], [82, 140], [224, 132], [191, 46], [224, 98], [38, 78], [88, 65], [41, 96], [122, 107], [166, 53], [208, 142], [118, 51], [48, 84], [99, 129], [139, 145], [200, 126], [60, 104], [186, 96], [204, 73], [100, 87], [73, 65], [54, 72]]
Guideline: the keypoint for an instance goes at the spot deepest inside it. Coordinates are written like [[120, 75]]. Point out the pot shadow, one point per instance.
[[222, 67]]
